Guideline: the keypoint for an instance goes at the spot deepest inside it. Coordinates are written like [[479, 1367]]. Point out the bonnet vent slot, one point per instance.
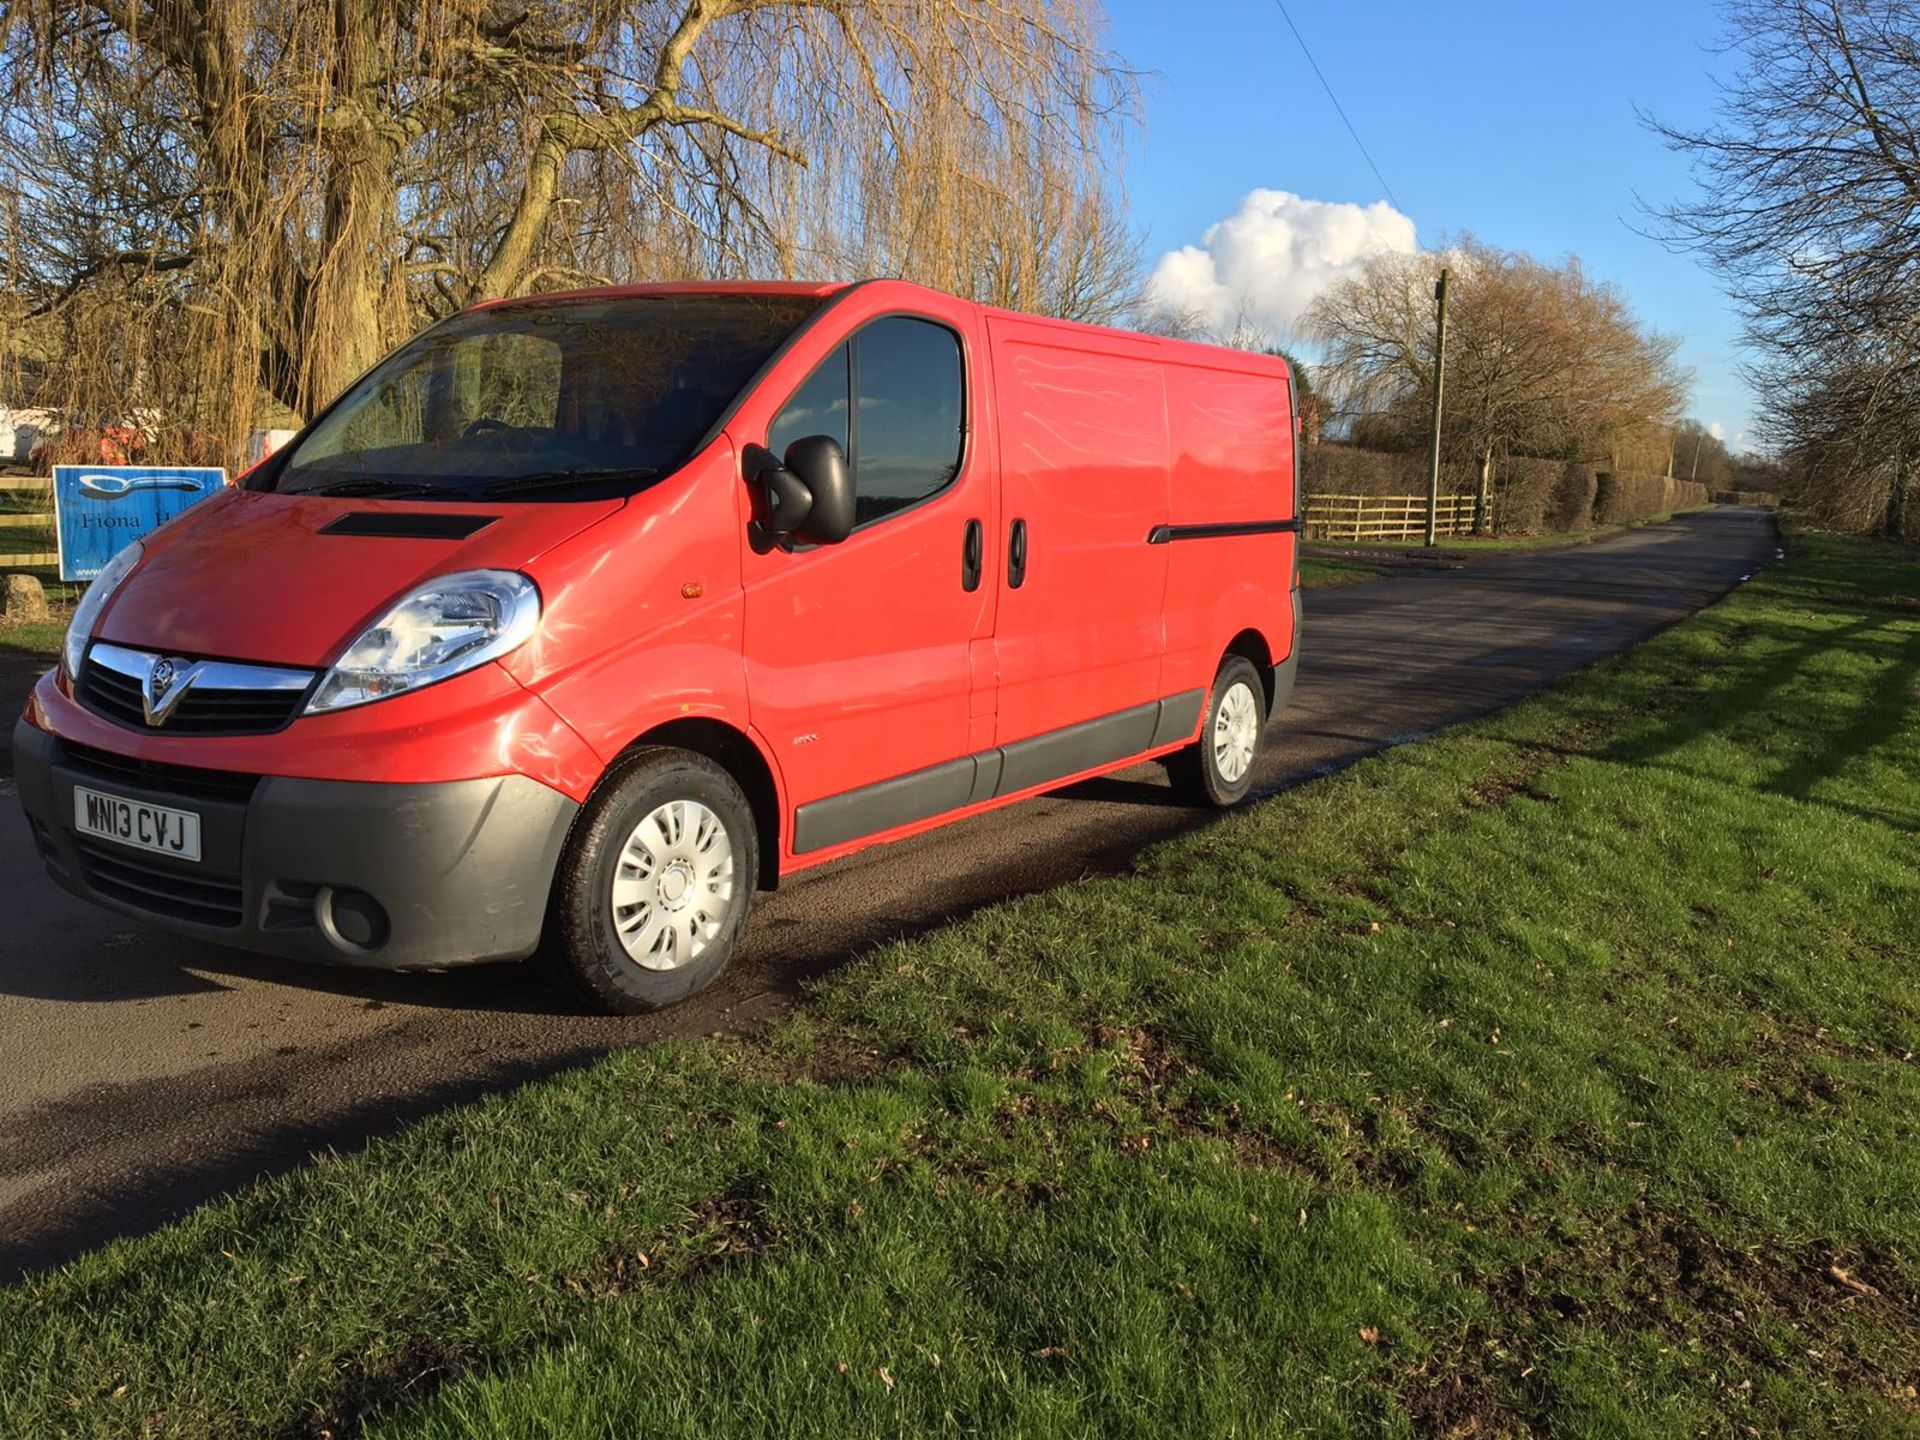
[[407, 525]]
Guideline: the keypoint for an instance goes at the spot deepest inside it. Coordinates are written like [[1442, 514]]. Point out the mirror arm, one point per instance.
[[785, 498]]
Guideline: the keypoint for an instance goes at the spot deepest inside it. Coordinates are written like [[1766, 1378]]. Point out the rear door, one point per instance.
[[860, 656], [1079, 632]]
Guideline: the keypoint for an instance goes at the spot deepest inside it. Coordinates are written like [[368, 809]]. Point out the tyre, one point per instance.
[[1218, 769], [655, 883]]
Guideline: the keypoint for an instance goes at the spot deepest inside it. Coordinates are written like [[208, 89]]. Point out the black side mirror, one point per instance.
[[821, 466], [786, 496]]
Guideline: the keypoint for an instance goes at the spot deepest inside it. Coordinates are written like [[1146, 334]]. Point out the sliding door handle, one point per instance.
[[1017, 555], [973, 555]]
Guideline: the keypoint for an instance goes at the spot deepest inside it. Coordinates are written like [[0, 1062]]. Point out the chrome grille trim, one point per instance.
[[212, 675], [181, 696]]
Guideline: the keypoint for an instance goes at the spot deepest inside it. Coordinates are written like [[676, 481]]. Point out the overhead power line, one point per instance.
[[1338, 107]]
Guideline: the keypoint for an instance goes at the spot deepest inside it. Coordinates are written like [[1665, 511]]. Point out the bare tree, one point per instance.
[[1696, 453], [1810, 177], [1852, 432], [1809, 186], [1541, 359]]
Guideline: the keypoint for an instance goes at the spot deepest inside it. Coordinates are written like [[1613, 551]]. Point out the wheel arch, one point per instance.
[[735, 752], [1252, 646]]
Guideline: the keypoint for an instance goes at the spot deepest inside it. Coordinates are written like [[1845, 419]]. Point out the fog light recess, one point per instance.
[[351, 919]]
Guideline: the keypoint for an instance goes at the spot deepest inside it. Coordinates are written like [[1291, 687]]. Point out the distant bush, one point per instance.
[[1523, 494], [1333, 469], [1746, 497], [1571, 507], [1329, 469], [1625, 497]]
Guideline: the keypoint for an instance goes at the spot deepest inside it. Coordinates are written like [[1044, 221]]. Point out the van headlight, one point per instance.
[[442, 628], [86, 614]]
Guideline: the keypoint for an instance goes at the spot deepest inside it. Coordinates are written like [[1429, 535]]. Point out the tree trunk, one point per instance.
[[513, 256], [1899, 498], [1483, 503], [342, 334]]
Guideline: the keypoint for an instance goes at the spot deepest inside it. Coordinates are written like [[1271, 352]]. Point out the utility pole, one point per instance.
[[1439, 393], [1698, 436]]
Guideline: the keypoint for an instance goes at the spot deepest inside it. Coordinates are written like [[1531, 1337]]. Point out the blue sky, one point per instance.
[[1515, 121]]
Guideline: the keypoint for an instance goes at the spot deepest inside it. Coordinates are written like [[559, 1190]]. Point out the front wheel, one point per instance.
[[654, 888], [1218, 769]]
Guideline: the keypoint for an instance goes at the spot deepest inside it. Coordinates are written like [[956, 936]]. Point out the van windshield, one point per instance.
[[566, 399]]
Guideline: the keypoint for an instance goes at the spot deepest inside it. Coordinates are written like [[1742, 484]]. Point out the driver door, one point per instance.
[[868, 662]]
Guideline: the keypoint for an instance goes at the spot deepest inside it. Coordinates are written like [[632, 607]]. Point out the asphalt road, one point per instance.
[[145, 1074]]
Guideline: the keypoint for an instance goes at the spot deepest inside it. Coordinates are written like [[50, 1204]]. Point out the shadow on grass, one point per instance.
[[1880, 716], [1754, 682]]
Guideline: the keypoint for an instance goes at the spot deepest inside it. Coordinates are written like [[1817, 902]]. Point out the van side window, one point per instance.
[[903, 441], [819, 407], [907, 429]]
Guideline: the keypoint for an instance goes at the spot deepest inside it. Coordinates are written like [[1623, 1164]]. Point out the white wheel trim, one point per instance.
[[673, 885], [1236, 731]]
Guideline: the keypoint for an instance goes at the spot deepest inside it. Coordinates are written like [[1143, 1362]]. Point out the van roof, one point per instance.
[[1192, 351], [818, 289]]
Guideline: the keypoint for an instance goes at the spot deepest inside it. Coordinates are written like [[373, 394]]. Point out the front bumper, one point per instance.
[[395, 876]]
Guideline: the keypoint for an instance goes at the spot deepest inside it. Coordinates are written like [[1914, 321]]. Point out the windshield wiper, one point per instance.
[[372, 486], [564, 480]]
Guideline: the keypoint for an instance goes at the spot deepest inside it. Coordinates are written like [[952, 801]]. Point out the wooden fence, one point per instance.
[[1385, 517], [26, 504]]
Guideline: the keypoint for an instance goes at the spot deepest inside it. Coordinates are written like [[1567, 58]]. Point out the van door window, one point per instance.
[[906, 440], [818, 407], [903, 441]]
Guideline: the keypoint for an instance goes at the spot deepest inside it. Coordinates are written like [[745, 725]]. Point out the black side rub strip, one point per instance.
[[404, 525], [1162, 534], [1002, 770]]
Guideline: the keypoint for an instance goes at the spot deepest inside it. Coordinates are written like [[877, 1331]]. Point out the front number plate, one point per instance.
[[136, 823]]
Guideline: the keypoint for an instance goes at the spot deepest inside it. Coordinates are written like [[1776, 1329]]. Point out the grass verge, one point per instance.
[[1554, 1076], [33, 639], [1321, 574]]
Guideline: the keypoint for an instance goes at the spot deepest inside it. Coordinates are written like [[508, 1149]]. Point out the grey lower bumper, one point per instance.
[[395, 876]]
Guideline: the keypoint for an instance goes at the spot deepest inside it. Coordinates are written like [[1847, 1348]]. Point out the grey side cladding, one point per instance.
[[1179, 717], [899, 801], [990, 774], [1077, 747]]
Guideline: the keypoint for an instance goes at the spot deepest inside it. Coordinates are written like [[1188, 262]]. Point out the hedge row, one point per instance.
[[1531, 496], [1620, 498]]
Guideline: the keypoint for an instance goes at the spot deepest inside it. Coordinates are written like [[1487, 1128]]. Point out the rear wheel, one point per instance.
[[654, 888], [1218, 769]]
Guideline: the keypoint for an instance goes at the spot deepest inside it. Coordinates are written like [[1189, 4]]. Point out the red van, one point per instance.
[[581, 617]]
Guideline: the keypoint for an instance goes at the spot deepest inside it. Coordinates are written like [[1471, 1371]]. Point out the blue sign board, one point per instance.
[[99, 510]]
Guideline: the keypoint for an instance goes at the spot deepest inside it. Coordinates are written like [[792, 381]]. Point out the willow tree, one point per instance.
[[296, 185]]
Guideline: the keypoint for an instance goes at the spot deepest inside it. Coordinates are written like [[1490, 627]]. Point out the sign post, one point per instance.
[[99, 510]]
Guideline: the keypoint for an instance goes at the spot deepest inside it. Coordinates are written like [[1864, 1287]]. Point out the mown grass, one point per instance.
[[1320, 574], [1555, 1076], [34, 639]]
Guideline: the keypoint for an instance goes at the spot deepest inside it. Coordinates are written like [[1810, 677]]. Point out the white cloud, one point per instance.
[[1264, 264], [1718, 431]]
